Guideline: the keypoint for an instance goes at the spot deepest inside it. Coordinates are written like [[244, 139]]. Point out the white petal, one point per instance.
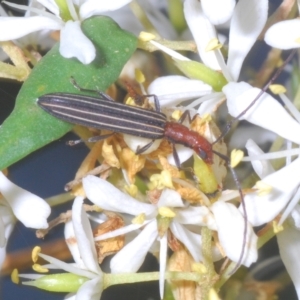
[[162, 264], [196, 215], [131, 257], [295, 215], [8, 221], [248, 20], [230, 223], [211, 104], [191, 241], [172, 90], [262, 168], [183, 152], [73, 43], [170, 198], [72, 244], [30, 209], [240, 95], [284, 35], [90, 290], [136, 142], [262, 209], [289, 248], [50, 5], [196, 19], [95, 7], [108, 197], [84, 236], [15, 27], [59, 264], [220, 15]]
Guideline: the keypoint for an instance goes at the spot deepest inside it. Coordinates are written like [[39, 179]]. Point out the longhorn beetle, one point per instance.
[[104, 113]]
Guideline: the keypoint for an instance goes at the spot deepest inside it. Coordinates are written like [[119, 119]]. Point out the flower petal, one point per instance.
[[289, 248], [230, 223], [73, 43], [170, 198], [108, 197], [220, 15], [95, 7], [196, 19], [172, 90], [262, 209], [262, 168], [30, 209], [196, 215], [90, 290], [72, 244], [247, 22], [284, 35], [131, 257], [191, 240], [162, 264], [15, 27], [240, 95], [84, 236]]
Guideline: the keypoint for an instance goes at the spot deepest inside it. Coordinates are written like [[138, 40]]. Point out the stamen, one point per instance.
[[146, 36], [35, 253]]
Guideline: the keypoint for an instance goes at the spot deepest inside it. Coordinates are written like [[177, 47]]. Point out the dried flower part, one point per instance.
[[87, 165], [112, 245], [164, 149], [109, 155], [132, 163], [174, 172], [181, 261], [191, 194]]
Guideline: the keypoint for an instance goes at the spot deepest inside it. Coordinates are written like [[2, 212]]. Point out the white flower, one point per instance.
[[227, 220], [86, 263], [247, 22], [284, 35], [65, 17], [20, 204], [262, 209]]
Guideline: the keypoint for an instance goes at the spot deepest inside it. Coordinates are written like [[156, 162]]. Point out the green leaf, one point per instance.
[[29, 128]]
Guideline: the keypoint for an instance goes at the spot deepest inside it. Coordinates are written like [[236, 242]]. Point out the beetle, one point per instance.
[[105, 113]]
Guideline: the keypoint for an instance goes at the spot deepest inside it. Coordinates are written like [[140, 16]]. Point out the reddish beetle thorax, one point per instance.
[[179, 134]]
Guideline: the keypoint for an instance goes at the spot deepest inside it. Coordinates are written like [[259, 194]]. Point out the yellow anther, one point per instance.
[[38, 268], [140, 219], [213, 44], [15, 276], [277, 89], [206, 118], [263, 188], [166, 212], [139, 76], [132, 190], [35, 253], [277, 228], [199, 268], [176, 115], [235, 157], [130, 101], [213, 295], [146, 36], [162, 180]]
